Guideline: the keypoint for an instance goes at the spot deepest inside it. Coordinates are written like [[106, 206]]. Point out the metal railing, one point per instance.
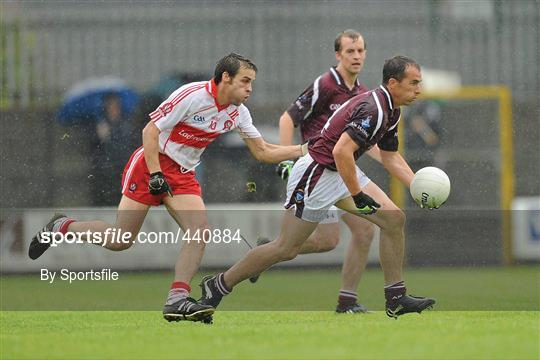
[[47, 47]]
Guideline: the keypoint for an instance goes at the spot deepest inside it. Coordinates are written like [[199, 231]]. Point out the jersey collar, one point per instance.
[[211, 87], [339, 79], [388, 97]]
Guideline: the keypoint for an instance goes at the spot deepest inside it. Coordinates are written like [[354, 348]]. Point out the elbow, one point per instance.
[[282, 121], [337, 153], [150, 131], [147, 130], [259, 156], [285, 121], [264, 158]]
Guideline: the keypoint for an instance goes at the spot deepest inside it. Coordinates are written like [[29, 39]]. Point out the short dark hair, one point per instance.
[[351, 34], [395, 68], [231, 64]]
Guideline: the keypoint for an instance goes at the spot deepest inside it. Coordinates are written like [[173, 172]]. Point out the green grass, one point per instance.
[[497, 288], [489, 313], [263, 335]]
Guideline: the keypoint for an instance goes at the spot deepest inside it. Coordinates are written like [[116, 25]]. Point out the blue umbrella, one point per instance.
[[85, 100]]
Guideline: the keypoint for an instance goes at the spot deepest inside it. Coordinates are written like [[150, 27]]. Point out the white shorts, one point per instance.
[[312, 190], [333, 215]]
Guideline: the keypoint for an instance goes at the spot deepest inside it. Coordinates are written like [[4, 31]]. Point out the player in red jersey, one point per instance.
[[310, 112], [328, 176], [162, 171]]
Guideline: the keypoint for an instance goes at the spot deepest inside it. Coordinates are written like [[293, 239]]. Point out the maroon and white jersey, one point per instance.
[[368, 118], [191, 118], [317, 103]]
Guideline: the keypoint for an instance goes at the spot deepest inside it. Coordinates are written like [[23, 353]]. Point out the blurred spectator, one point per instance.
[[114, 143], [422, 132], [157, 94], [423, 120]]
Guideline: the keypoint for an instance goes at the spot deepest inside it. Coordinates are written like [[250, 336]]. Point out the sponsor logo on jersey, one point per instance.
[[228, 125], [193, 137], [199, 119], [301, 101], [366, 123], [165, 109], [334, 107], [363, 132], [358, 128]]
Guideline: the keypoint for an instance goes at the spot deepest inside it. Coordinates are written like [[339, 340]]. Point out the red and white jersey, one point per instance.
[[190, 119]]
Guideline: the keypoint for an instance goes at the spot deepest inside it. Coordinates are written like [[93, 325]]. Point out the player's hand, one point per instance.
[[365, 204], [158, 185], [284, 169]]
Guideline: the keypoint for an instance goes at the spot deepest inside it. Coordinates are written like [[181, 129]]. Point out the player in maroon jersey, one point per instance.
[[310, 112], [328, 176]]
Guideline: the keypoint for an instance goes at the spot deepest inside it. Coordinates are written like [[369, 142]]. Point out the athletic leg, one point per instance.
[[357, 252], [190, 213], [129, 219], [354, 263], [323, 239], [294, 232], [391, 220]]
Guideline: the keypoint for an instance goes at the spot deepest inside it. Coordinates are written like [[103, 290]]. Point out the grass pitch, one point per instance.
[[271, 335], [481, 314]]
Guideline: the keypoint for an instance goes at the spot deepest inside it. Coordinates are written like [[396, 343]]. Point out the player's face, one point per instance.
[[408, 89], [352, 54], [240, 86]]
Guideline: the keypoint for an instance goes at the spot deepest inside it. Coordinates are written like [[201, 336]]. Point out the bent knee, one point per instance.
[[121, 244], [396, 220], [328, 244], [289, 254], [286, 253], [121, 238], [364, 236]]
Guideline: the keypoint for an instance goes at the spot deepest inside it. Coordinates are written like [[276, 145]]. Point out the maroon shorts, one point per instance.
[[136, 175]]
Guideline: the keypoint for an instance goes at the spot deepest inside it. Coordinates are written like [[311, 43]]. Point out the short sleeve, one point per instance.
[[362, 126], [245, 127], [390, 140], [303, 106], [175, 108]]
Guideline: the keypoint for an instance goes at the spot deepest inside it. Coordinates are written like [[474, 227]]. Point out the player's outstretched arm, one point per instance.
[[270, 153], [397, 166]]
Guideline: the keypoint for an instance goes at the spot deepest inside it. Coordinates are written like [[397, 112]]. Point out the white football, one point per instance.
[[430, 187]]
